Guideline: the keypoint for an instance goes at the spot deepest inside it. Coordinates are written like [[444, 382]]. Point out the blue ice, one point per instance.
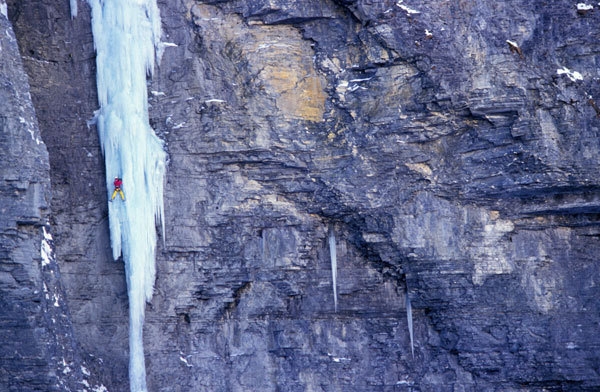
[[126, 38]]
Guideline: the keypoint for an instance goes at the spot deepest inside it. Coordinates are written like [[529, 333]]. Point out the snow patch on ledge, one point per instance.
[[406, 9], [573, 75], [3, 10], [183, 359], [46, 248], [584, 7], [339, 359]]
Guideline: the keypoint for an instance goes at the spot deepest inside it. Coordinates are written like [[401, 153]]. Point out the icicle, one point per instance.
[[333, 257], [409, 320], [126, 33], [73, 9]]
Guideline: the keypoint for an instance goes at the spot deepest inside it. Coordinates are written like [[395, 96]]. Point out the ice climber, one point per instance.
[[117, 183]]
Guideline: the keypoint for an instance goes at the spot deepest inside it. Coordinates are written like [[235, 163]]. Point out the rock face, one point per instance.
[[452, 148], [38, 352]]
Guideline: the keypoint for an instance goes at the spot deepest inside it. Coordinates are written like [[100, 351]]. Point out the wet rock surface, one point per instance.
[[451, 146]]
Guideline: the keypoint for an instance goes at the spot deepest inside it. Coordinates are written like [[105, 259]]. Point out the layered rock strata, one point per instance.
[[451, 146]]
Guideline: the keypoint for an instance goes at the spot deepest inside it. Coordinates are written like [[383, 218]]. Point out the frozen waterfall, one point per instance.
[[126, 38]]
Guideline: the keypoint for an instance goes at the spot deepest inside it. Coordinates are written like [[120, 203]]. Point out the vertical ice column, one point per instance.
[[409, 320], [333, 258], [126, 37], [73, 5]]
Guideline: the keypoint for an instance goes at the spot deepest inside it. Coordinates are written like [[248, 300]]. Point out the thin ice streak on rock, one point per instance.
[[333, 258], [73, 5], [126, 38], [409, 320]]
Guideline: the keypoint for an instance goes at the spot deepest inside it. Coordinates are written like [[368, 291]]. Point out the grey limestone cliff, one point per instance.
[[451, 146], [37, 350]]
